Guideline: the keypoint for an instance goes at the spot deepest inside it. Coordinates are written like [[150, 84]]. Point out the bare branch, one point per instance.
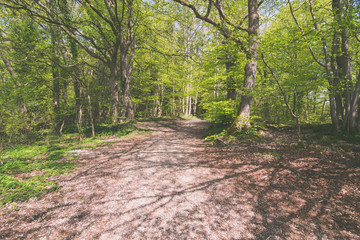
[[284, 96], [225, 32], [304, 36]]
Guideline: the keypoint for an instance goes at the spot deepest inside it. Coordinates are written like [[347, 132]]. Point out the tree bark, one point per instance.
[[114, 90], [77, 86], [242, 120], [56, 82], [127, 54], [353, 115]]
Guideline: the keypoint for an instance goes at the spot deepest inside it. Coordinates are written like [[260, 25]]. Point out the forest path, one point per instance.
[[172, 185]]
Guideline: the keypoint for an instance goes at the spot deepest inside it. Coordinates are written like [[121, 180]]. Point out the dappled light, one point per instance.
[[173, 185]]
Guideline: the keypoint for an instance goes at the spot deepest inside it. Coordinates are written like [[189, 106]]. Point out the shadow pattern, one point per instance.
[[172, 185]]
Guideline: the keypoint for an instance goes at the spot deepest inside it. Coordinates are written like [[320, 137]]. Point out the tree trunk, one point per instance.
[[90, 112], [77, 86], [243, 117], [56, 82], [353, 115], [114, 91], [335, 52], [127, 54], [127, 109]]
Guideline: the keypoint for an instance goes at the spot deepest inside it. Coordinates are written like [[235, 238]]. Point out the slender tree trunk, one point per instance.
[[196, 102], [7, 65], [77, 86], [242, 120], [90, 112], [56, 82], [161, 99], [114, 91], [173, 102], [323, 109], [353, 115]]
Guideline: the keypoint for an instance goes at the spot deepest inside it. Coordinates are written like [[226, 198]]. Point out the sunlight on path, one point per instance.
[[172, 185]]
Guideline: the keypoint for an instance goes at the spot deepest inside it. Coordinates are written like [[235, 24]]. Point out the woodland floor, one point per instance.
[[173, 185]]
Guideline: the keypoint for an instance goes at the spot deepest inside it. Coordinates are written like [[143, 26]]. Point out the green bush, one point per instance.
[[221, 112]]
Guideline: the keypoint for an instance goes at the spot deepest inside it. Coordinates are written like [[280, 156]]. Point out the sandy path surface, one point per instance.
[[172, 185]]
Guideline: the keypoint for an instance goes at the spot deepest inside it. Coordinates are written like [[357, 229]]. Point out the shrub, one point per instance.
[[221, 112]]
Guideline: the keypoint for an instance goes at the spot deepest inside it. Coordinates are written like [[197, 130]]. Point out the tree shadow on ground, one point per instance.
[[172, 185]]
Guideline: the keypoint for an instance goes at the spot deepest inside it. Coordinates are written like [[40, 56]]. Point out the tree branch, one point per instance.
[[284, 96], [222, 30], [304, 36]]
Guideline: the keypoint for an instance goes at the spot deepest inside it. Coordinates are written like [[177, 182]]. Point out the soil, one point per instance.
[[173, 185]]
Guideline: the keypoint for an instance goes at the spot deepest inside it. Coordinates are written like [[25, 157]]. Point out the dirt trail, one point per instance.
[[172, 185]]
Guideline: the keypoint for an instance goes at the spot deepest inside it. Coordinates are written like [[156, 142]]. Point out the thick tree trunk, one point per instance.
[[345, 73], [343, 60], [127, 109], [127, 54], [243, 117], [335, 53]]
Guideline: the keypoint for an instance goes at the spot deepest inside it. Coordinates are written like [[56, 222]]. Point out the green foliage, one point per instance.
[[323, 134], [220, 134], [12, 189], [220, 112], [221, 138], [25, 169]]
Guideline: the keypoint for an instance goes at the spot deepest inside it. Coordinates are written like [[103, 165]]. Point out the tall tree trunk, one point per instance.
[[173, 102], [353, 114], [341, 9], [77, 86], [335, 55], [243, 117], [127, 54], [343, 61], [196, 102], [56, 82], [90, 112], [114, 90], [127, 109]]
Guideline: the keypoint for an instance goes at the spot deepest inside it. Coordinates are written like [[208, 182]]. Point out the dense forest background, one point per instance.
[[69, 64]]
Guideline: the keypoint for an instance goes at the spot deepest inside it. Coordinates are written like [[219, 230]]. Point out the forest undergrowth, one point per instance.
[[27, 168]]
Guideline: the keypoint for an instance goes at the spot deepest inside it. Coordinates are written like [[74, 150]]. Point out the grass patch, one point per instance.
[[189, 117], [25, 170], [220, 134]]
